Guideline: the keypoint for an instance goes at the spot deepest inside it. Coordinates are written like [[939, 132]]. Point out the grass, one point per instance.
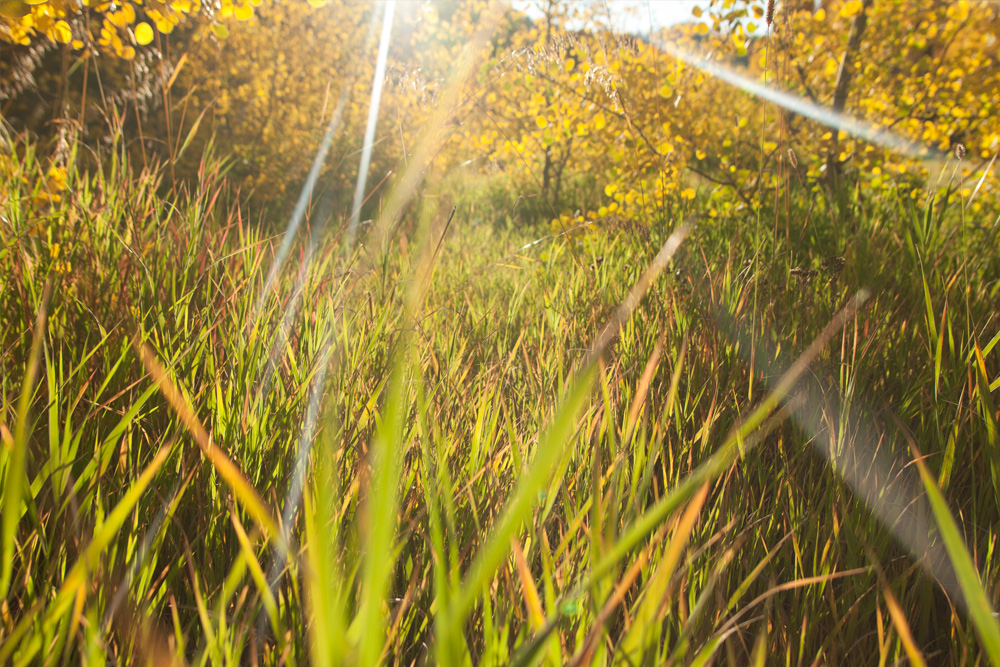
[[505, 453]]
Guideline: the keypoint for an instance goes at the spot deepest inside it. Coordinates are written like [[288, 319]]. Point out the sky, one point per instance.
[[632, 15]]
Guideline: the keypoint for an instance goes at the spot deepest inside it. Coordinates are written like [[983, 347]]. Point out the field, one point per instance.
[[565, 385]]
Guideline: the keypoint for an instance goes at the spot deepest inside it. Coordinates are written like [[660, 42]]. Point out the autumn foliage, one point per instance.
[[593, 122]]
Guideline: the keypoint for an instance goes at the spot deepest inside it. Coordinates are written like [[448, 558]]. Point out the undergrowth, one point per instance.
[[467, 497]]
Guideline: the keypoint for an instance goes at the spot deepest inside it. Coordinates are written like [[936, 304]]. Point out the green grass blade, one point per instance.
[[103, 536], [917, 539], [14, 479], [382, 508], [979, 607]]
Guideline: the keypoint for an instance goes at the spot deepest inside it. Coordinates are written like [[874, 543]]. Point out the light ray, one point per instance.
[[298, 480], [839, 121], [411, 177], [300, 206], [373, 107], [307, 188], [873, 474]]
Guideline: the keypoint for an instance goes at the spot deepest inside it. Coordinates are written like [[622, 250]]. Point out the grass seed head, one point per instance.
[[832, 265], [803, 275]]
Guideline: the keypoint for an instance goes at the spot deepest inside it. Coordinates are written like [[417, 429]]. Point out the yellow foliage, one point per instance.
[[557, 105], [110, 26], [143, 34]]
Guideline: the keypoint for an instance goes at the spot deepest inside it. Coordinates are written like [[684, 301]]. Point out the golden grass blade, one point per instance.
[[902, 628], [230, 473], [177, 70], [642, 390], [638, 291], [586, 652], [647, 617], [982, 179], [532, 603]]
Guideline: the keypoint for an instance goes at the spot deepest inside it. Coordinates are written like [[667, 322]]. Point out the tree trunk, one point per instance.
[[843, 87]]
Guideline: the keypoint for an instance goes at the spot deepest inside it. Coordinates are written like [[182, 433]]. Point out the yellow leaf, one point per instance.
[[958, 11], [143, 34], [666, 91], [117, 19], [61, 33], [220, 31], [599, 121], [688, 193], [14, 9], [696, 12], [850, 9], [820, 15], [243, 12], [541, 121]]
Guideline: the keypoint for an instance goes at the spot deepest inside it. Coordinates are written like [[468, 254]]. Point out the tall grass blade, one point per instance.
[[735, 443], [903, 628], [989, 415], [230, 473], [550, 450], [381, 511], [14, 477], [979, 607], [77, 579]]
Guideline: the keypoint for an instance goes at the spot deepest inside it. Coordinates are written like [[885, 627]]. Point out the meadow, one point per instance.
[[605, 396]]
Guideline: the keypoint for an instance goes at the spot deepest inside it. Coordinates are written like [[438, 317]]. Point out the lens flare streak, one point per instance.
[[838, 121]]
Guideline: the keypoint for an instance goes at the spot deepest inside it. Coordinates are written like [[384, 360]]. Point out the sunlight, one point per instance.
[[373, 108], [841, 122]]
